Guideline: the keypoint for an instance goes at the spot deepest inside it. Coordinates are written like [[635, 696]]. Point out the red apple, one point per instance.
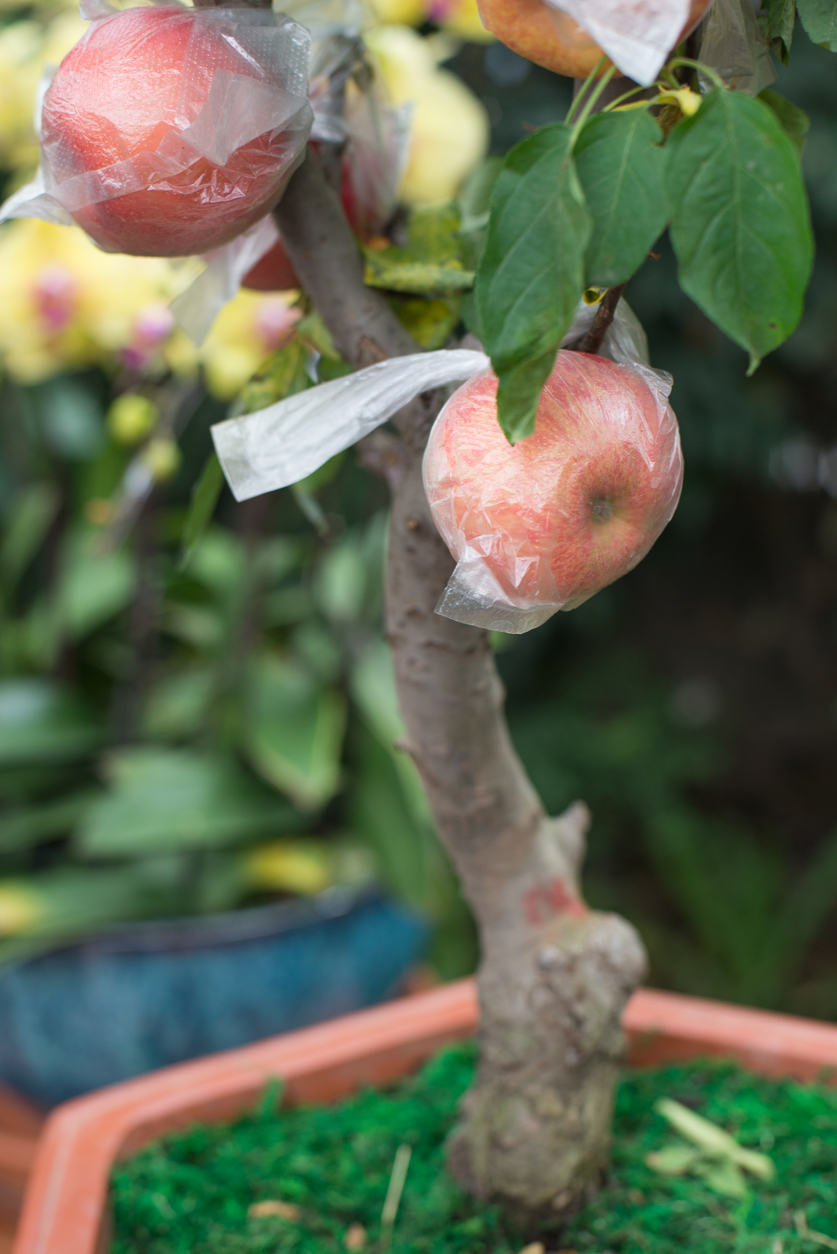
[[554, 518], [273, 272], [114, 113], [551, 38]]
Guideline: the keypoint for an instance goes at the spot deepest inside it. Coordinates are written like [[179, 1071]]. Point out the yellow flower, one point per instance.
[[402, 12], [289, 865], [25, 50], [460, 17], [449, 126], [247, 330], [19, 908], [65, 305]]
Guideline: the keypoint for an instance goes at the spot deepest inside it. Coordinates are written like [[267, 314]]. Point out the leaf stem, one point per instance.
[[589, 104], [614, 104], [700, 67], [590, 79]]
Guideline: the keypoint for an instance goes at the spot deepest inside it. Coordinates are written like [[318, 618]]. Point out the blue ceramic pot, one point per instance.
[[146, 995]]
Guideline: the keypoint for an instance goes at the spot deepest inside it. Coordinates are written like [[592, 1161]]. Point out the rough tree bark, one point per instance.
[[554, 975]]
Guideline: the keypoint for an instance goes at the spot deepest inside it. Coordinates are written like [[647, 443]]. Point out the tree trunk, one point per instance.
[[555, 976]]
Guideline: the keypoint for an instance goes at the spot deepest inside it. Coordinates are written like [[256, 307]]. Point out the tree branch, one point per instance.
[[325, 255]]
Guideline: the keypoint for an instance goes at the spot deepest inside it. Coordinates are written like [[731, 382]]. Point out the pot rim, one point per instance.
[[65, 1209]]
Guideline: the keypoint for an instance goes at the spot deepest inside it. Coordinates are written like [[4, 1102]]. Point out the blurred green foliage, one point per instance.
[[173, 698]]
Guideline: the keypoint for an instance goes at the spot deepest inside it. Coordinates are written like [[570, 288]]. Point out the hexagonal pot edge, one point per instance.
[[65, 1210]]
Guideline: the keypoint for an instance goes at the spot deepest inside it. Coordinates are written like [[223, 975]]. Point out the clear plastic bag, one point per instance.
[[377, 147], [733, 46], [185, 140], [197, 307], [543, 525]]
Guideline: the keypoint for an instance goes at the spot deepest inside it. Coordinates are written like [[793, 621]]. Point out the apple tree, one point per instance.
[[673, 126], [714, 156]]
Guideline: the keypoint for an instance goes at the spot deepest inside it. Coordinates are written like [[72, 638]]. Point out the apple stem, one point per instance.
[[591, 341]]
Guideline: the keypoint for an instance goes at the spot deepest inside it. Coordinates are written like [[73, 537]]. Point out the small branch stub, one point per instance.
[[591, 341]]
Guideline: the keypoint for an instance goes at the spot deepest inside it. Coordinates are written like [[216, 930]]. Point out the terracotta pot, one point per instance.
[[65, 1211], [20, 1125]]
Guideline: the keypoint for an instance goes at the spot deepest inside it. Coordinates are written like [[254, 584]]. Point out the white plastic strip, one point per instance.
[[284, 443], [637, 35]]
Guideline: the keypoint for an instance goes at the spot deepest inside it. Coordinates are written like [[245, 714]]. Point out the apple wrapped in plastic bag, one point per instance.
[[570, 36], [542, 525], [534, 527], [168, 131], [375, 135], [374, 160]]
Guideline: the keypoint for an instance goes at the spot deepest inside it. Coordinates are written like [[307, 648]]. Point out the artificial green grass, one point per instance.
[[190, 1193]]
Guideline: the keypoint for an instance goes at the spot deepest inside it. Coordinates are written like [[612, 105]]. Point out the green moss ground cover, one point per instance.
[[191, 1192]]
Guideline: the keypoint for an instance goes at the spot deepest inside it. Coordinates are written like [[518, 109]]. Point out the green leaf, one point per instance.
[[793, 121], [41, 722], [531, 275], [781, 15], [163, 801], [94, 586], [475, 197], [25, 530], [474, 208], [374, 694], [724, 1177], [714, 1140], [344, 583], [67, 904], [23, 828], [284, 374], [312, 333], [819, 18], [431, 261], [72, 417], [323, 475], [219, 562], [430, 320], [519, 393], [393, 269], [294, 732], [740, 222], [621, 168], [674, 1160], [205, 496], [178, 705]]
